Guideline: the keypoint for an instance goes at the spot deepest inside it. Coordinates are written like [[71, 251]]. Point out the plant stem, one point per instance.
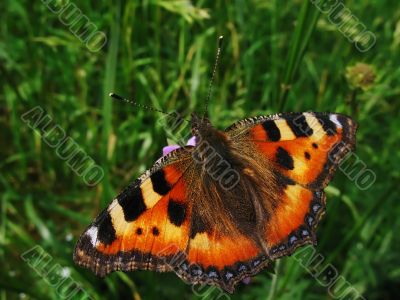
[[109, 83], [305, 26], [274, 283]]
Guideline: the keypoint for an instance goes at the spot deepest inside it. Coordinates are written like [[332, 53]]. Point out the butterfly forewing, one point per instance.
[[145, 226]]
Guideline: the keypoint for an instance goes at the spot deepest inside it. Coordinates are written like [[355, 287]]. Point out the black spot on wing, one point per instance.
[[228, 274], [283, 181], [272, 130], [197, 226], [155, 231], [284, 159], [176, 212], [307, 155], [132, 203], [196, 270], [212, 272], [346, 124], [299, 126], [106, 231], [328, 126], [160, 185]]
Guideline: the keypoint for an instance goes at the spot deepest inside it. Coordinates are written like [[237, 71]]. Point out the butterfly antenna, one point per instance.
[[115, 96], [213, 73]]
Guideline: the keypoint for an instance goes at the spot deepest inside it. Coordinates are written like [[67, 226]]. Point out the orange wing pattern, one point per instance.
[[305, 147], [294, 221], [143, 221], [305, 150], [223, 259], [149, 226]]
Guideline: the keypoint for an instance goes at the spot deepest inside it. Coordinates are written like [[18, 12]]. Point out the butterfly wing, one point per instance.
[[154, 225], [305, 147], [223, 260], [302, 150], [145, 226], [221, 257]]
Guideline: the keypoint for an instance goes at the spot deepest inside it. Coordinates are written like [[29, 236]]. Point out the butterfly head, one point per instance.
[[200, 125], [207, 135]]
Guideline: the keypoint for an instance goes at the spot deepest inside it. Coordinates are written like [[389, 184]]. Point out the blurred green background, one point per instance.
[[277, 56]]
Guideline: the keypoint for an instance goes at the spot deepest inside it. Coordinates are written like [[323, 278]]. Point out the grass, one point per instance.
[[277, 56]]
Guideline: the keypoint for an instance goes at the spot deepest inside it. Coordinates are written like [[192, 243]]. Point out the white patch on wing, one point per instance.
[[334, 119], [92, 233]]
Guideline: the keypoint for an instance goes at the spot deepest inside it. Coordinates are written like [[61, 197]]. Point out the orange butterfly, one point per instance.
[[222, 210]]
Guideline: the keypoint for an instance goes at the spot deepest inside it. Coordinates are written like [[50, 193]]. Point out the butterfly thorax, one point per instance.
[[201, 126], [210, 142]]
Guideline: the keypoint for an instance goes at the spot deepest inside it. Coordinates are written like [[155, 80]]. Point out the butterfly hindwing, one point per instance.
[[294, 220], [150, 226], [216, 258]]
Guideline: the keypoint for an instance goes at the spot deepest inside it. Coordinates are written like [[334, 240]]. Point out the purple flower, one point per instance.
[[168, 149]]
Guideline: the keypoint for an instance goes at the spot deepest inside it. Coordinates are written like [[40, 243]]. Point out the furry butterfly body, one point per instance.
[[222, 210]]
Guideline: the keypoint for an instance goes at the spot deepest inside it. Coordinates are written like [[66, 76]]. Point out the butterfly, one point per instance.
[[223, 209]]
